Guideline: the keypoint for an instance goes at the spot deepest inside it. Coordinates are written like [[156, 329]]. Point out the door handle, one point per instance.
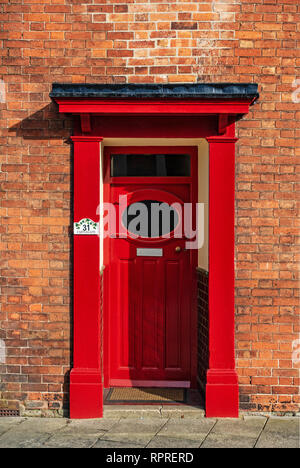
[[178, 249]]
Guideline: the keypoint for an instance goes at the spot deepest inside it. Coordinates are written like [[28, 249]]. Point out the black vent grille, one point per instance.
[[4, 413]]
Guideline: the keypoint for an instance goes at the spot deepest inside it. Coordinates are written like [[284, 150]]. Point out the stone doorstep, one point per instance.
[[153, 411], [176, 411]]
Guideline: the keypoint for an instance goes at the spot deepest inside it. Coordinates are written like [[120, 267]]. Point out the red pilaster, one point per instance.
[[222, 383], [86, 387]]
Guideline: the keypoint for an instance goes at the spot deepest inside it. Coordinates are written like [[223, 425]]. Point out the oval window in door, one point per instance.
[[150, 218]]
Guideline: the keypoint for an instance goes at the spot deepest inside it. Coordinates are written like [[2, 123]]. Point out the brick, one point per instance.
[[141, 44], [184, 25]]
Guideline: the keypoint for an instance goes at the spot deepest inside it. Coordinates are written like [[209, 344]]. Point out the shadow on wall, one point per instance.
[[44, 124], [47, 124]]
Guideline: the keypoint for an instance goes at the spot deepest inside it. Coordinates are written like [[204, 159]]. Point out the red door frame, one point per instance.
[[192, 181], [211, 119]]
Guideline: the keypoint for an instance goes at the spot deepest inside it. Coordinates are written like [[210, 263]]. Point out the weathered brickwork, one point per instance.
[[116, 41]]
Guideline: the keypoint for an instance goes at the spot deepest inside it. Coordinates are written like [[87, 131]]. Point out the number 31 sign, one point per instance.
[[86, 226]]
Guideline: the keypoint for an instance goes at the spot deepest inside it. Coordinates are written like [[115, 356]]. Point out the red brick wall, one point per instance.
[[150, 41]]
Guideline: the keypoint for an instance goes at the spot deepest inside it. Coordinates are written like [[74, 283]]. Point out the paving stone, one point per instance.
[[89, 426], [161, 441], [228, 441], [114, 445], [31, 433], [132, 430], [71, 441], [235, 433], [247, 427], [138, 426], [81, 433], [274, 440], [141, 439], [286, 426], [8, 423], [187, 428], [280, 433]]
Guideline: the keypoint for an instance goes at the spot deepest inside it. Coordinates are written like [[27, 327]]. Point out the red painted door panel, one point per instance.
[[150, 297]]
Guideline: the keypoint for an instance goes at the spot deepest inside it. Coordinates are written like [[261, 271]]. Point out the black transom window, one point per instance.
[[150, 165]]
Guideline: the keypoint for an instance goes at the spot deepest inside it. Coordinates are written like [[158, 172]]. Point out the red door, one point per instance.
[[151, 321]]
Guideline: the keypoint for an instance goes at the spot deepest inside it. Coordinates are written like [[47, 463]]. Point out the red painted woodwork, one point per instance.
[[86, 386], [223, 123], [150, 319], [153, 119], [144, 107], [85, 120], [222, 383], [158, 126]]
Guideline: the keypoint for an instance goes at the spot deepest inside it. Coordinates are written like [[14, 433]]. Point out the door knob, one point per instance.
[[178, 249]]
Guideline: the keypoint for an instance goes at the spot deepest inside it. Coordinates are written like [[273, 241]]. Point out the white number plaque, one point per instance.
[[86, 226]]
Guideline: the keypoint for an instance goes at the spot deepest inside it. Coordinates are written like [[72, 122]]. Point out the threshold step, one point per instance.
[[153, 411]]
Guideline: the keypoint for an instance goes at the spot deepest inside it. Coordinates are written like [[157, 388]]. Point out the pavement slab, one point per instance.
[[82, 433], [280, 433], [71, 441], [89, 426], [135, 438], [112, 445], [235, 433], [8, 423], [139, 431], [31, 433], [190, 429], [138, 426], [162, 441], [228, 441]]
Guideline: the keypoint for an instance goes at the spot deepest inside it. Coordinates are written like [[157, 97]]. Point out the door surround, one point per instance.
[[153, 111]]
